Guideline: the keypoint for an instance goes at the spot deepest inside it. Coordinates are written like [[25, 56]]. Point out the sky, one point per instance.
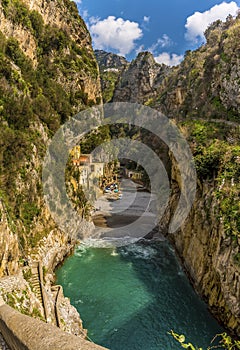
[[165, 28]]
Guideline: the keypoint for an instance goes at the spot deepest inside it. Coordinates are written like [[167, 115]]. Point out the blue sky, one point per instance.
[[166, 28]]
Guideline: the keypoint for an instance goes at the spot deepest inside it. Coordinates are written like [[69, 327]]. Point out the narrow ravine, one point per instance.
[[131, 296]]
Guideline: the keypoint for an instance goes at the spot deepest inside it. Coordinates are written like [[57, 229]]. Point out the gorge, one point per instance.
[[49, 73], [135, 293]]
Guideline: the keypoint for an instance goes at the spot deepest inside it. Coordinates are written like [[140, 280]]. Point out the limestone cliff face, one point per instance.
[[206, 83], [9, 247], [108, 60], [139, 80], [25, 38], [207, 251], [111, 67], [64, 16], [48, 72]]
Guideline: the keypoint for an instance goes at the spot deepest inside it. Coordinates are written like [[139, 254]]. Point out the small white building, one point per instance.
[[97, 168], [84, 175]]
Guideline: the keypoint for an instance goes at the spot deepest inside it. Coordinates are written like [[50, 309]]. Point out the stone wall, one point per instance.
[[22, 332]]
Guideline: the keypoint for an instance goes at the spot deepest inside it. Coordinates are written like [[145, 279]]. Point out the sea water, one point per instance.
[[129, 298]]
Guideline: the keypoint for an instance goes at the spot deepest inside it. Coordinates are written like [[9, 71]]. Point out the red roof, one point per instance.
[[84, 159]]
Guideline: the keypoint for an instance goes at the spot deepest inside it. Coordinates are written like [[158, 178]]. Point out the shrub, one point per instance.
[[15, 53], [37, 23], [53, 39]]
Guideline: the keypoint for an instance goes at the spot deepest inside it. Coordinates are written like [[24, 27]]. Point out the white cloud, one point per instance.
[[115, 33], [169, 59], [77, 1], [93, 20], [146, 19], [164, 41], [199, 21]]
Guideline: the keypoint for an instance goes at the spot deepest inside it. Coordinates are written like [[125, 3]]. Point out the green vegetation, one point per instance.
[[218, 162], [20, 301], [17, 12], [206, 83], [94, 138], [37, 96], [223, 340], [27, 274], [109, 80]]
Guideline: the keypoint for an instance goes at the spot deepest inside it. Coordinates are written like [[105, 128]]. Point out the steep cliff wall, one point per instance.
[[111, 67], [139, 81], [209, 251], [48, 72], [130, 82]]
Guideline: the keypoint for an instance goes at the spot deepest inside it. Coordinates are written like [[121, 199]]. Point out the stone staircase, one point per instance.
[[35, 281], [37, 284]]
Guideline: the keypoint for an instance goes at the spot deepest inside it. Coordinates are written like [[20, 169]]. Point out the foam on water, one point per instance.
[[108, 242], [139, 251]]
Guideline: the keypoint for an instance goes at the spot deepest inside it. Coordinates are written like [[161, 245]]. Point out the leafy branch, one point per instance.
[[224, 341]]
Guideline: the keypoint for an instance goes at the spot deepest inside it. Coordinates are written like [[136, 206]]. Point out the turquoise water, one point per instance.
[[130, 297]]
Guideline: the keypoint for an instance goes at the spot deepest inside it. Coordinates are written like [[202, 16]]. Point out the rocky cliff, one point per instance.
[[48, 72], [140, 80], [111, 67], [202, 96], [204, 85], [208, 241]]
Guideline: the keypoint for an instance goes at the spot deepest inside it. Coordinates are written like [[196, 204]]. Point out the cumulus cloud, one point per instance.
[[115, 33], [199, 21], [169, 59]]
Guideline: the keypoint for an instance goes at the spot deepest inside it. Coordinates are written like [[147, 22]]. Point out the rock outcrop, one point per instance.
[[108, 60], [139, 81], [111, 67], [204, 85]]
